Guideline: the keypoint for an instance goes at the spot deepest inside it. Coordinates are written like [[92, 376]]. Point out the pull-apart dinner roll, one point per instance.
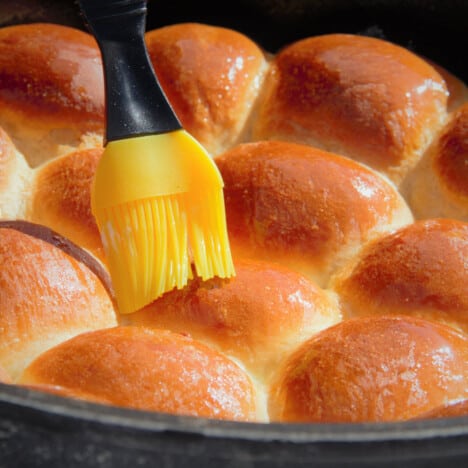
[[257, 317], [4, 376], [420, 270], [66, 392], [372, 369], [15, 179], [303, 207], [457, 89], [438, 186], [50, 290], [212, 77], [149, 369], [51, 89], [362, 97], [61, 198], [449, 410]]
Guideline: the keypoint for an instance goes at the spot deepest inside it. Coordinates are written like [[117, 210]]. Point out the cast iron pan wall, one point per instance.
[[39, 430]]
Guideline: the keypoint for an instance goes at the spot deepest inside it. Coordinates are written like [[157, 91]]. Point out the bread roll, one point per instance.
[[449, 410], [66, 393], [46, 294], [61, 198], [362, 97], [15, 179], [149, 369], [303, 207], [211, 75], [372, 369], [420, 270], [257, 317], [4, 377], [438, 186], [457, 89], [51, 89]]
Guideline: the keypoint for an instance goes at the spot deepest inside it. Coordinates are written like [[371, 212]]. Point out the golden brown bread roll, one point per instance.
[[66, 392], [457, 89], [4, 376], [371, 369], [15, 179], [438, 186], [149, 369], [449, 410], [52, 89], [46, 295], [362, 97], [211, 75], [303, 207], [61, 198], [257, 317], [419, 270]]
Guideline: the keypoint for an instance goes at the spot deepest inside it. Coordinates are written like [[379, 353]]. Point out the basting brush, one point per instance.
[[157, 195]]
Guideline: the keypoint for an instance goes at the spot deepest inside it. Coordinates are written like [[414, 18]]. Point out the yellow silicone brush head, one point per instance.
[[153, 229]]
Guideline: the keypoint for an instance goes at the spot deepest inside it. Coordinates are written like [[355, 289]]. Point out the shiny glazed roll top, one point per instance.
[[212, 76], [358, 96], [419, 270], [256, 317], [438, 185], [306, 208], [150, 369], [50, 290], [51, 89], [15, 179], [60, 198], [372, 369]]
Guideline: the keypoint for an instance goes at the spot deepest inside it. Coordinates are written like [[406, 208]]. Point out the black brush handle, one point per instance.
[[135, 102]]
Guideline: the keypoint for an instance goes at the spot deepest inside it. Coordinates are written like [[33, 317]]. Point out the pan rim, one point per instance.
[[299, 433]]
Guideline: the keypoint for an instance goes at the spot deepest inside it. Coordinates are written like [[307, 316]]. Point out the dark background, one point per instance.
[[436, 29]]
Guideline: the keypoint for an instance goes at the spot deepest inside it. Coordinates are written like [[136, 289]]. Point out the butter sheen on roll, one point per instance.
[[46, 296], [65, 392], [438, 186], [212, 77], [449, 410], [15, 179], [419, 270], [61, 198], [371, 369], [51, 89], [150, 369], [4, 376], [257, 317], [358, 96], [303, 207]]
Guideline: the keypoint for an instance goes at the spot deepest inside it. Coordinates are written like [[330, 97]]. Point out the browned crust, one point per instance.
[[48, 235]]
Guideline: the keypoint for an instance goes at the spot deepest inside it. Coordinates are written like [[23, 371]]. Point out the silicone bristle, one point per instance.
[[146, 248], [208, 236]]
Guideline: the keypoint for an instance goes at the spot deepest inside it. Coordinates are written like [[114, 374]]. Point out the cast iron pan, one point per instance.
[[43, 430]]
